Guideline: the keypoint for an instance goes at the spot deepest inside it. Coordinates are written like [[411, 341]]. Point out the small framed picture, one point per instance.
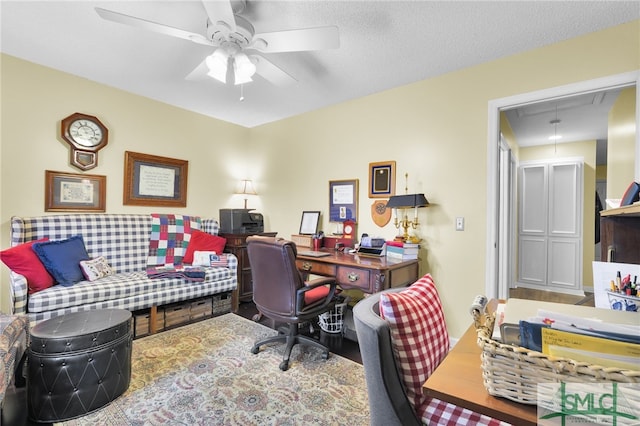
[[71, 192], [382, 179], [309, 222]]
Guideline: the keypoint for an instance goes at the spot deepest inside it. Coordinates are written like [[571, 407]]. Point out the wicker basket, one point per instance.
[[513, 372]]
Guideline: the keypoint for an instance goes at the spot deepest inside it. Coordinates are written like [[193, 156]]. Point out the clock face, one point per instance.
[[348, 229], [85, 132]]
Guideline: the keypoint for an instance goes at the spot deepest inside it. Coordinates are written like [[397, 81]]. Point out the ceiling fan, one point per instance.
[[236, 44]]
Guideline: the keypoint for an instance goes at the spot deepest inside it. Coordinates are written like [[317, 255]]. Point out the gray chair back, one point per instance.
[[388, 403]]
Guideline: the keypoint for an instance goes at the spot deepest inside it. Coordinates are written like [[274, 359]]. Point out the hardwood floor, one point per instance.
[[549, 296]]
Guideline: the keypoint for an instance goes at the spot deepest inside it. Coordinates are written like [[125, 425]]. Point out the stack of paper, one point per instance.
[[597, 336]]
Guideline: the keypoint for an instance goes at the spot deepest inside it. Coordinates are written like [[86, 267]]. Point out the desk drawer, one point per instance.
[[354, 278], [318, 268]]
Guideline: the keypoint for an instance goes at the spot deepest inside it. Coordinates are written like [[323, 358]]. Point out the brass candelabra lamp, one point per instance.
[[405, 202]]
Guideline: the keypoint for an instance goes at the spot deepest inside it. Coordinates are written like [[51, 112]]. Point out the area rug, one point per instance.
[[205, 374]]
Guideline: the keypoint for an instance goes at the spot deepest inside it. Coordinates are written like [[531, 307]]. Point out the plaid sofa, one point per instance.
[[123, 239]]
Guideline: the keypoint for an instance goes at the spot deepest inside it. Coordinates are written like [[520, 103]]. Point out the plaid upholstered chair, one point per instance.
[[13, 344], [406, 318]]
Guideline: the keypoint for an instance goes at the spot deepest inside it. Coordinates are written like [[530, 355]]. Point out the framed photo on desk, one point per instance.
[[309, 222], [343, 200]]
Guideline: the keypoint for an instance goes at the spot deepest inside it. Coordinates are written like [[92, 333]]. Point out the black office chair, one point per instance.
[[281, 294]]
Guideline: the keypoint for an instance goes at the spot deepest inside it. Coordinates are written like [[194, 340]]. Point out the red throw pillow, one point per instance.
[[24, 261], [202, 241]]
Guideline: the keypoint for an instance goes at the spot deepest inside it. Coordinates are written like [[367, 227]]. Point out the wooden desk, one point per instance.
[[458, 380], [369, 274]]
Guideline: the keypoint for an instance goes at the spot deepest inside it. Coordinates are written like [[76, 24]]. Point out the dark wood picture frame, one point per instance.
[[72, 192], [150, 180], [343, 200], [382, 179]]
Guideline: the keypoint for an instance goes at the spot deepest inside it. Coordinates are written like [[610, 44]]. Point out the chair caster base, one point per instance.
[[325, 355], [255, 350], [284, 365]]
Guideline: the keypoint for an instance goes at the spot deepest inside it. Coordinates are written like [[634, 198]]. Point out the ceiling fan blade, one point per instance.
[[220, 11], [152, 26], [270, 72], [320, 38]]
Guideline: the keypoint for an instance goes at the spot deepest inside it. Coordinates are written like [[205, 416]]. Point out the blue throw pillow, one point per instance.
[[62, 259]]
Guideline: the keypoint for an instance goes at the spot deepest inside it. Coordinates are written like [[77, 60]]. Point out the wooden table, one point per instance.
[[353, 271], [458, 380]]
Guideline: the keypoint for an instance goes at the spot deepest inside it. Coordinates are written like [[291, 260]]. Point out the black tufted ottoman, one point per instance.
[[78, 363]]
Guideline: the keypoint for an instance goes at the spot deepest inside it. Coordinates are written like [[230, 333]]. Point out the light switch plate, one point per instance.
[[459, 223]]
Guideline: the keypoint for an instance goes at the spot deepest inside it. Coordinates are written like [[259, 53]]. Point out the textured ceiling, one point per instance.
[[383, 44]]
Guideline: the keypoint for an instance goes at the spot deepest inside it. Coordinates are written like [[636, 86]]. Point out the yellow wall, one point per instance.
[[621, 143], [435, 130]]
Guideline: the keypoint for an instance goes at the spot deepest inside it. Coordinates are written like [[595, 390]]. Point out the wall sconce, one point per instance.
[[404, 202], [246, 188]]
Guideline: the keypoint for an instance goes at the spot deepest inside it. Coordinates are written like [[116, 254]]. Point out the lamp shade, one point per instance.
[[407, 201], [246, 187]]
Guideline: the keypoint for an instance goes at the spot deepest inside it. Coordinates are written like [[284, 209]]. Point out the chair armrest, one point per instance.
[[328, 301]]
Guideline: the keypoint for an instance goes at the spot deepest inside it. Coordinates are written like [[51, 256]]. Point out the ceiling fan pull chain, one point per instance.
[[241, 92]]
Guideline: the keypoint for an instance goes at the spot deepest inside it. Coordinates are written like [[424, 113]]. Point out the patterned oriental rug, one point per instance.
[[205, 374]]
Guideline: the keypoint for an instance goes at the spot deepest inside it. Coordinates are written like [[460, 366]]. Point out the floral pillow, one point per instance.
[[95, 268]]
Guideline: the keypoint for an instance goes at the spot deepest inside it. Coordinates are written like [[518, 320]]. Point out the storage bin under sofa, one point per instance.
[[123, 239]]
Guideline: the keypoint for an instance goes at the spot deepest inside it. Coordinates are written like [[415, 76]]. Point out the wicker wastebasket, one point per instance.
[[333, 320]]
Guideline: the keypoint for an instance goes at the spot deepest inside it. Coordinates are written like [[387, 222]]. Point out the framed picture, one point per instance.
[[71, 192], [150, 180], [309, 223], [382, 179], [343, 200]]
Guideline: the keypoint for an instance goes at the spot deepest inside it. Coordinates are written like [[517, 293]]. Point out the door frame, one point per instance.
[[495, 286]]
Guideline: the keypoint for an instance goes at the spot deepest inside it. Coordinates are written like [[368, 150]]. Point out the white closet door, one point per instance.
[[532, 247], [550, 225]]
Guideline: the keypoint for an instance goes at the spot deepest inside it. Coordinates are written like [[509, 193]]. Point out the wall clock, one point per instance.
[[86, 135]]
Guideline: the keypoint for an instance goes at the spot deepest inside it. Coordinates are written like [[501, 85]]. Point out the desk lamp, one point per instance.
[[404, 202]]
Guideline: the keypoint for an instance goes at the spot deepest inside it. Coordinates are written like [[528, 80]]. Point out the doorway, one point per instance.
[[497, 257]]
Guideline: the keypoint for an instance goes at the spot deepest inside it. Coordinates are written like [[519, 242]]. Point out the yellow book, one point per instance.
[[604, 360], [553, 342]]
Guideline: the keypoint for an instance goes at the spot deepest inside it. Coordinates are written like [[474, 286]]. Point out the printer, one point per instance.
[[240, 221]]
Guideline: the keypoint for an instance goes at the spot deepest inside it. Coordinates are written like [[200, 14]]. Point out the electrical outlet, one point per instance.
[[459, 223]]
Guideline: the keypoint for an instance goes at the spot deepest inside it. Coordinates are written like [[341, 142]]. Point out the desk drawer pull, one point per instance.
[[353, 277], [306, 266]]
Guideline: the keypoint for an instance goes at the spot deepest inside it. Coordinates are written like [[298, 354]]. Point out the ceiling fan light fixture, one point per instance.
[[243, 68], [217, 63]]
